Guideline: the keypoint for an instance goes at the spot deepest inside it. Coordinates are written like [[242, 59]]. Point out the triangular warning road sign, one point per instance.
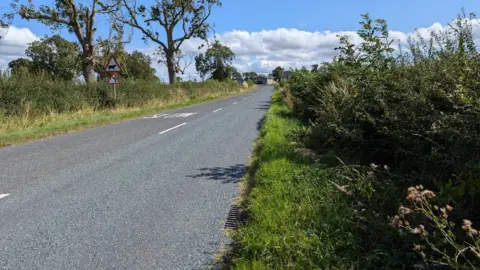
[[112, 65], [113, 79]]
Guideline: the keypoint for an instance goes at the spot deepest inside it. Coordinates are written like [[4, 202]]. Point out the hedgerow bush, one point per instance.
[[414, 110], [37, 94]]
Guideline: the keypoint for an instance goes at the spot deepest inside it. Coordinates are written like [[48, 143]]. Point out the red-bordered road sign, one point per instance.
[[112, 65]]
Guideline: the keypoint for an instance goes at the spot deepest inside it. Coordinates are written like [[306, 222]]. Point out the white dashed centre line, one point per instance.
[[167, 130], [235, 103], [3, 195], [218, 110]]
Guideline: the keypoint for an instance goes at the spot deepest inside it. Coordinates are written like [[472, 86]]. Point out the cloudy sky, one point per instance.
[[265, 34]]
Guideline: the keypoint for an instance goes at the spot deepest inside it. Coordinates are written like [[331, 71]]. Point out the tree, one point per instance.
[[250, 75], [5, 21], [137, 65], [20, 66], [77, 18], [168, 16], [315, 68], [235, 74], [278, 74], [55, 56], [217, 60]]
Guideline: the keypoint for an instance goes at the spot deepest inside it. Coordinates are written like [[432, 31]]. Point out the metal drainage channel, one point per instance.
[[233, 219]]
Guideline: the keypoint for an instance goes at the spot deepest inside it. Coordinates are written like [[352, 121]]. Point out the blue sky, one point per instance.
[[251, 27], [314, 15]]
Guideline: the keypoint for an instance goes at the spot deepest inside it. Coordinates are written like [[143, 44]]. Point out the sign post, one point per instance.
[[112, 68]]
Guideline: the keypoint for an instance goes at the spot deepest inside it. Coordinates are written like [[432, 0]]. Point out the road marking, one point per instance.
[[156, 116], [3, 195], [180, 115], [165, 131], [218, 110], [235, 103]]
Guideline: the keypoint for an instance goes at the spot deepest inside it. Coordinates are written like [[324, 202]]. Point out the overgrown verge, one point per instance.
[[389, 178], [296, 220], [35, 106]]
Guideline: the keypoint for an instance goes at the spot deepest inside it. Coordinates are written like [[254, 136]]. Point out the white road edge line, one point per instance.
[[235, 103], [3, 195], [165, 131], [218, 110]]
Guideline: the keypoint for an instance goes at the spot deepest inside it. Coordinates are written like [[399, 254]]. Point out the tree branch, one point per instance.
[[195, 28], [134, 23]]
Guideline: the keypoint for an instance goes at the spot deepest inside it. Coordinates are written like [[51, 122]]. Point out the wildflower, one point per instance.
[[373, 166], [449, 208], [467, 225], [420, 229], [403, 211], [416, 247], [386, 167], [370, 174], [396, 221], [435, 207]]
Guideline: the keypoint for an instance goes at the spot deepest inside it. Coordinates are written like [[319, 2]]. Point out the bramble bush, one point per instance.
[[415, 110]]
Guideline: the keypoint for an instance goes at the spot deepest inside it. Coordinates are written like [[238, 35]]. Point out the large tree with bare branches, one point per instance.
[[169, 23], [78, 18]]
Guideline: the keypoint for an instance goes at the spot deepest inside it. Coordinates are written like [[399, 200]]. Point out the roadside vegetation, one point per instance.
[[371, 161], [61, 86]]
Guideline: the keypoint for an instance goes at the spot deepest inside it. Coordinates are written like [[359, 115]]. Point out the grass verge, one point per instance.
[[15, 130], [295, 217]]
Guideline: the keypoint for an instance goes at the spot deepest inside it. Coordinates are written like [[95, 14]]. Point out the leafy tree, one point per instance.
[[315, 67], [217, 61], [250, 75], [137, 65], [235, 74], [20, 66], [76, 17], [278, 73], [5, 21], [179, 20], [55, 56]]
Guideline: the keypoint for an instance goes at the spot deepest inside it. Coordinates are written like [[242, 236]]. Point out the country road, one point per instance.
[[149, 193]]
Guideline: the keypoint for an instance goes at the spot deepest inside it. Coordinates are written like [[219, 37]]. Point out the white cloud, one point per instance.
[[259, 51], [14, 42]]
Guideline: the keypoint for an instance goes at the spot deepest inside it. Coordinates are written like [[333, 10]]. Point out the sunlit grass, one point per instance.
[[21, 129], [296, 220]]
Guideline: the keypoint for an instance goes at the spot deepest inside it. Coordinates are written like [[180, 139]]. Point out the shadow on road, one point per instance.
[[263, 106], [227, 175]]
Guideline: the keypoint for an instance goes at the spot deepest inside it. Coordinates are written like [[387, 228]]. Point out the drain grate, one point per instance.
[[233, 219]]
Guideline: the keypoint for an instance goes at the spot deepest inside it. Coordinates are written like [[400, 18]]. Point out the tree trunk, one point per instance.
[[171, 68], [88, 72], [88, 68]]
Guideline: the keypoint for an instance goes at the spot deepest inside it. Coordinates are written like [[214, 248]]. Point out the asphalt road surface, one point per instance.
[[149, 193]]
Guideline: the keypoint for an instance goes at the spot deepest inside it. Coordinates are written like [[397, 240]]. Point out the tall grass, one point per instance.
[[396, 162], [296, 219], [28, 95], [35, 106]]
